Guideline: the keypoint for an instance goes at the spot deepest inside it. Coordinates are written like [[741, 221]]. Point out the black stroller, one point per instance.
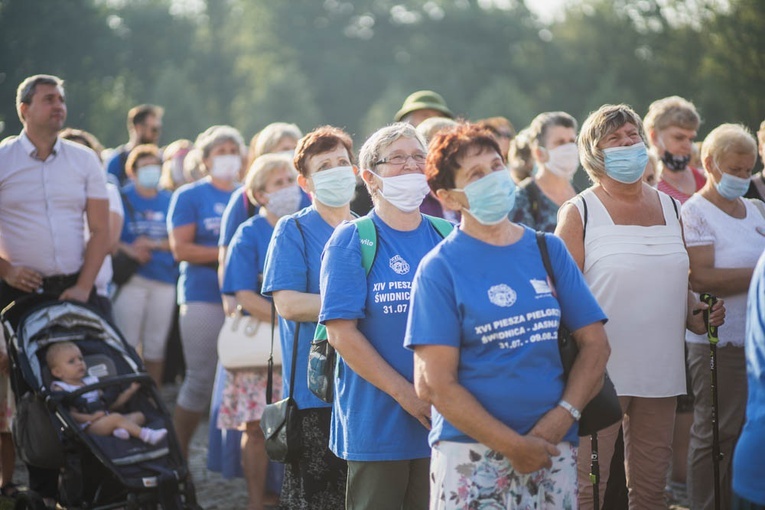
[[95, 472]]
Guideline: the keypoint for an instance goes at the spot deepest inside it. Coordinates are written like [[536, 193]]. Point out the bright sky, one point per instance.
[[547, 10]]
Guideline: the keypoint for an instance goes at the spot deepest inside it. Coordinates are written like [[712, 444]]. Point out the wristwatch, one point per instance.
[[573, 411]]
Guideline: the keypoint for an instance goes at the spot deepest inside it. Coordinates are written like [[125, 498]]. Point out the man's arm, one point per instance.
[[97, 211]]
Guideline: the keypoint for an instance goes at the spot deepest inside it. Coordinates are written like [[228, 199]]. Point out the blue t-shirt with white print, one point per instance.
[[246, 256], [495, 304], [292, 263], [201, 204], [148, 217], [367, 423], [238, 210]]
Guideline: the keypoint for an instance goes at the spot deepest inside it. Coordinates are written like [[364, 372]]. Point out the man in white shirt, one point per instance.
[[46, 186]]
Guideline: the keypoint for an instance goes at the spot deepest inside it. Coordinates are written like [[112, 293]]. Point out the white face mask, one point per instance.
[[226, 167], [404, 192], [563, 160], [334, 187], [283, 202]]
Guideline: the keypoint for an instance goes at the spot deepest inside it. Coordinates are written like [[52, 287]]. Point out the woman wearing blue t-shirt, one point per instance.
[[379, 425], [324, 159], [223, 447], [271, 183], [193, 224], [483, 325], [144, 306]]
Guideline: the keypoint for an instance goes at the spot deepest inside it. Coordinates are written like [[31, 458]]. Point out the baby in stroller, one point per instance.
[[66, 364]]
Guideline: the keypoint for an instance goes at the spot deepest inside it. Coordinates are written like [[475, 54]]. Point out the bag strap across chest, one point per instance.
[[368, 237]]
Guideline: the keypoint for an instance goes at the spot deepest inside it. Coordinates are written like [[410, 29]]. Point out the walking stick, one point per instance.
[[595, 470], [710, 300]]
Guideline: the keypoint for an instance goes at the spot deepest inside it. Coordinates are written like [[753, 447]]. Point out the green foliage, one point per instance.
[[351, 63]]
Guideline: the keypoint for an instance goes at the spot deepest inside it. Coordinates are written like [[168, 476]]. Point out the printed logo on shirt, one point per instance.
[[154, 216], [399, 265], [540, 286], [502, 295], [219, 207]]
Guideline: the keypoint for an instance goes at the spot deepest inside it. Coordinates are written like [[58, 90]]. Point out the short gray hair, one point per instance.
[[544, 121], [28, 87], [216, 135], [383, 138], [429, 127], [601, 123], [272, 134]]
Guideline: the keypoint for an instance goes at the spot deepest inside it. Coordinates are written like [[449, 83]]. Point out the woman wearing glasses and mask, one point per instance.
[[379, 425], [553, 147], [324, 161]]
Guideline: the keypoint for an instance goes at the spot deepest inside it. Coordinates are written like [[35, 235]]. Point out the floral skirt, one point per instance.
[[244, 396], [469, 476]]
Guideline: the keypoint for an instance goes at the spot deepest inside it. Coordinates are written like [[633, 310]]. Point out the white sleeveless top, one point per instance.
[[639, 275], [736, 243]]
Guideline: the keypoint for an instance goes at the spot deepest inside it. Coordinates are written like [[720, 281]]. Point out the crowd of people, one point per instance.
[[448, 388]]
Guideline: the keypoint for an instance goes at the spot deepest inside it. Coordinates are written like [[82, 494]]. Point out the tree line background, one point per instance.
[[351, 63]]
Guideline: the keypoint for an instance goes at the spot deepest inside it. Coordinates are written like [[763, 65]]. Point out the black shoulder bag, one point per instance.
[[604, 409], [280, 421]]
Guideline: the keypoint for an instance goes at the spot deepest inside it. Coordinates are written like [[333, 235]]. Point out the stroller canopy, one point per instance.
[[62, 321]]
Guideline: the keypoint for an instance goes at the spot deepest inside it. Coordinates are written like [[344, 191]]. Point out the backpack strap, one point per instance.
[[368, 238]]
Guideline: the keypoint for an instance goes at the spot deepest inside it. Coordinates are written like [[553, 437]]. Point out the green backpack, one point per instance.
[[322, 359]]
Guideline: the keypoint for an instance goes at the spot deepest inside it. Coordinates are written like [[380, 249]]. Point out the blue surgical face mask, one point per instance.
[[730, 186], [334, 187], [148, 176], [491, 198], [626, 164]]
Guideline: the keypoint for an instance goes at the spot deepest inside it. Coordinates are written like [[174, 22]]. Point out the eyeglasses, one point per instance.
[[401, 159]]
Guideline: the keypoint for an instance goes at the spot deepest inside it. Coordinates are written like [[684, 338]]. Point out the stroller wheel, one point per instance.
[[29, 500]]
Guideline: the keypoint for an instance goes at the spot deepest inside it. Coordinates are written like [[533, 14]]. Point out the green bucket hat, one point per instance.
[[421, 100]]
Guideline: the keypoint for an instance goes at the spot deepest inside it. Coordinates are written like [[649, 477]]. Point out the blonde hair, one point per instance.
[[671, 111], [261, 170], [54, 350], [728, 139], [270, 136], [601, 123]]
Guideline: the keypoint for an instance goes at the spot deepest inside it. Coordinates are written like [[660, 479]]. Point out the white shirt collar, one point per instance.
[[31, 150]]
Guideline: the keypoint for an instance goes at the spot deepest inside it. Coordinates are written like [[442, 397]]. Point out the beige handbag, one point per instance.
[[245, 342]]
